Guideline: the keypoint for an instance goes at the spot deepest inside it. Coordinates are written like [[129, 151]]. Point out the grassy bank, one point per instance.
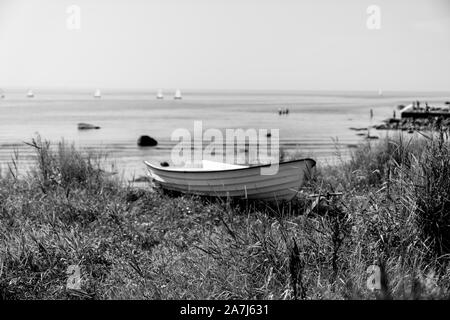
[[394, 212]]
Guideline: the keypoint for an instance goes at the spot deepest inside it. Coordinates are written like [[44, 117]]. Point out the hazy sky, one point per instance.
[[226, 44]]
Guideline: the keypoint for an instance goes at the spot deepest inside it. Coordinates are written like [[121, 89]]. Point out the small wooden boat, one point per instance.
[[236, 181]]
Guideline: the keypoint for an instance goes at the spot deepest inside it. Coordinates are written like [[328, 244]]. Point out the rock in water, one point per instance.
[[146, 141], [85, 126], [358, 129]]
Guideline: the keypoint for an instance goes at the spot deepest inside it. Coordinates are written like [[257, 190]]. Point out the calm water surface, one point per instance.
[[317, 122]]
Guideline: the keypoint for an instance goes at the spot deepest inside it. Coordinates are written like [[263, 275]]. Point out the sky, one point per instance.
[[226, 45]]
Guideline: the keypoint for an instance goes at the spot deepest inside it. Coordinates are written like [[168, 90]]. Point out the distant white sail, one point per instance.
[[159, 95], [177, 94], [97, 94], [380, 92], [30, 94]]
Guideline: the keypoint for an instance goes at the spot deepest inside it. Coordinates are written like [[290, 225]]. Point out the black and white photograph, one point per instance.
[[224, 150]]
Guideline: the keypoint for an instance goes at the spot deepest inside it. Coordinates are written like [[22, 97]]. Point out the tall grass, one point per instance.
[[392, 211], [65, 166], [425, 181]]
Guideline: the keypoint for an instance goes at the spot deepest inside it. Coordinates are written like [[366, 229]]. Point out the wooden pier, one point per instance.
[[425, 114]]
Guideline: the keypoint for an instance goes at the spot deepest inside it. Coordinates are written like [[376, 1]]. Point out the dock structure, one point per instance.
[[425, 114], [415, 111], [417, 117]]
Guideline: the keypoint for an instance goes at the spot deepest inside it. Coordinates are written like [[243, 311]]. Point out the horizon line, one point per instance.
[[193, 90]]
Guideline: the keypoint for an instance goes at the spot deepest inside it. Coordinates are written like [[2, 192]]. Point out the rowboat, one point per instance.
[[235, 181]]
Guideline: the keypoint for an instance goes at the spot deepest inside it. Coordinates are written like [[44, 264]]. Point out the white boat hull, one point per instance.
[[237, 182]]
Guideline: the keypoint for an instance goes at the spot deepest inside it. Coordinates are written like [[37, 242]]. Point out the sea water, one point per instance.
[[317, 124]]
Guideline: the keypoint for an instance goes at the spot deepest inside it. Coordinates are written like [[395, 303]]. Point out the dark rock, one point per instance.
[[381, 127], [146, 141], [87, 126], [393, 120]]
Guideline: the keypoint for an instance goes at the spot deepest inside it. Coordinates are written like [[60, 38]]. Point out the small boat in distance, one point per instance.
[[30, 94], [380, 92], [177, 95], [97, 94], [224, 180], [159, 95], [2, 94]]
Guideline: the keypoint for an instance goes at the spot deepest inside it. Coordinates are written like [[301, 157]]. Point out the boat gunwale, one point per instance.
[[226, 170]]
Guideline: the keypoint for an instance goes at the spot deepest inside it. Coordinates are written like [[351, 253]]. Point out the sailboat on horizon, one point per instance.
[[160, 95], [97, 94], [177, 95], [30, 94], [380, 92]]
